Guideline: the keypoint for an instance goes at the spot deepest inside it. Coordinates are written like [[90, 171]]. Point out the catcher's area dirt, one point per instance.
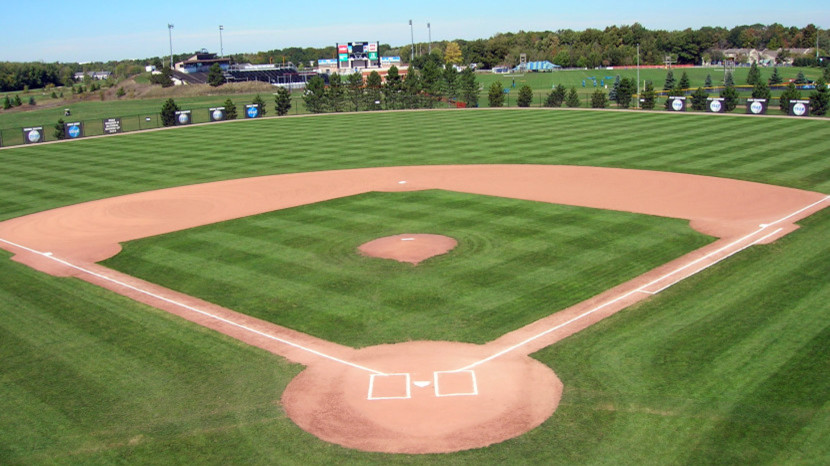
[[416, 397]]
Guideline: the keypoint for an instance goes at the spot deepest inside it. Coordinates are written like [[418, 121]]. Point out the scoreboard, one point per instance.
[[358, 55]]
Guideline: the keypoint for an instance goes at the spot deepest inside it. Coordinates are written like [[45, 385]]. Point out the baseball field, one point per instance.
[[727, 365]]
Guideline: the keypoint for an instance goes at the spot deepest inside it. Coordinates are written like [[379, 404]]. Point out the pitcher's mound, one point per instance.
[[412, 248]]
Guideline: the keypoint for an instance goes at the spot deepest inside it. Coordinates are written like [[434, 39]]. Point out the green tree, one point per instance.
[[258, 101], [699, 100], [230, 109], [392, 88], [800, 78], [649, 96], [684, 81], [819, 98], [7, 103], [335, 94], [60, 129], [431, 83], [775, 78], [761, 90], [17, 102], [790, 93], [32, 101], [164, 79], [215, 77], [495, 95], [315, 95], [556, 97], [168, 112], [670, 81], [469, 87], [612, 95], [411, 95], [373, 91], [730, 98], [119, 93], [599, 99], [626, 89], [525, 96], [754, 75], [449, 81], [708, 82], [572, 100], [282, 101], [354, 90], [728, 80]]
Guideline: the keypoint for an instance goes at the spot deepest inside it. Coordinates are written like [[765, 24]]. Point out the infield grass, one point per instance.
[[729, 366]]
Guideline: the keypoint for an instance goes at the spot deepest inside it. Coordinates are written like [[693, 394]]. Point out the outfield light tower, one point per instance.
[[412, 34], [429, 30], [170, 31], [638, 75], [221, 48]]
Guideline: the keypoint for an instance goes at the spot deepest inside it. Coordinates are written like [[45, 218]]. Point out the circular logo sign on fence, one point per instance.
[[33, 136], [756, 107], [218, 115], [74, 131], [184, 118], [715, 106], [253, 112], [677, 105], [799, 109]]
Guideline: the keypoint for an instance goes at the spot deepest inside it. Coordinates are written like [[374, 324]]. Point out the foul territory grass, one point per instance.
[[517, 261], [729, 366]]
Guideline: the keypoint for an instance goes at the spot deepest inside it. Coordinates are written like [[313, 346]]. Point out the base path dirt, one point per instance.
[[414, 397]]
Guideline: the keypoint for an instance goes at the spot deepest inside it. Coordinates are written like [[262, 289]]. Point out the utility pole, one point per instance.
[[221, 48], [412, 33], [170, 32], [429, 29]]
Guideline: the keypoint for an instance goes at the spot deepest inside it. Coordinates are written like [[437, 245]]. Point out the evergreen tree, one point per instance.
[[7, 103], [168, 112], [495, 95], [754, 75], [282, 101], [412, 90], [230, 109], [392, 88], [449, 81], [761, 90], [612, 95], [354, 90], [775, 78], [335, 94], [32, 101], [708, 82], [800, 79], [790, 93], [699, 100], [556, 97], [431, 83], [215, 77], [730, 98], [625, 91], [315, 95], [258, 101], [684, 82], [728, 80], [469, 87], [525, 96], [60, 129], [17, 102], [599, 99], [820, 98], [826, 73], [373, 90], [670, 81], [572, 100], [649, 96]]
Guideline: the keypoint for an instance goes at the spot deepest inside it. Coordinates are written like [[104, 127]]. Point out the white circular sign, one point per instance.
[[33, 136], [218, 115], [183, 118], [756, 107], [677, 105], [715, 106], [799, 109]]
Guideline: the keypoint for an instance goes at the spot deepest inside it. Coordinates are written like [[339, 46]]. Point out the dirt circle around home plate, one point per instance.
[[411, 248], [422, 397]]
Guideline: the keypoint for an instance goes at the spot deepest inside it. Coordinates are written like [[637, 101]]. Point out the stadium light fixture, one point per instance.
[[170, 31], [221, 48], [412, 33], [429, 30]]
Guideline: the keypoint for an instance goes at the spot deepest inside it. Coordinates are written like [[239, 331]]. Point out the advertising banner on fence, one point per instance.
[[715, 105], [74, 130], [33, 135], [217, 114], [678, 104], [252, 111], [799, 108], [183, 117], [756, 106], [112, 125]]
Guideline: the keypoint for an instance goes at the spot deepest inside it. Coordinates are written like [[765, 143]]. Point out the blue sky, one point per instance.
[[71, 31]]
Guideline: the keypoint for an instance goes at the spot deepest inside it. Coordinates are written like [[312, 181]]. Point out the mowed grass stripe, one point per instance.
[[320, 285]]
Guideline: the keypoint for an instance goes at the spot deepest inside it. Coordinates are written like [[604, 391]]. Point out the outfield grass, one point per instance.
[[726, 367], [516, 262]]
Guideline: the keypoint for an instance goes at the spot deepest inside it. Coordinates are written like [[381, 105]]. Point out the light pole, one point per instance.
[[412, 33], [638, 75], [221, 48], [429, 30], [170, 32]]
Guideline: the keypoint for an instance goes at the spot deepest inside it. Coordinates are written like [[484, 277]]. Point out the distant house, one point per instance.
[[97, 75]]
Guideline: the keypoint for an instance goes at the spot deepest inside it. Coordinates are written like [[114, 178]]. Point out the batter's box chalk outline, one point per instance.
[[389, 387], [456, 383]]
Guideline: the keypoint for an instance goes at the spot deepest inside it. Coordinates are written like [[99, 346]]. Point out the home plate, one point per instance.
[[421, 383]]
